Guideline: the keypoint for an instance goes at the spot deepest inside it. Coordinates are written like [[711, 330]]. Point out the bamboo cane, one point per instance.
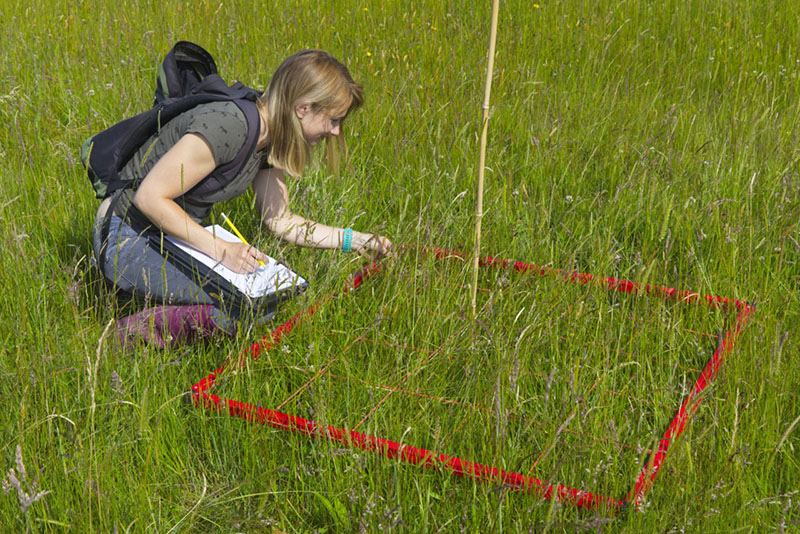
[[482, 160]]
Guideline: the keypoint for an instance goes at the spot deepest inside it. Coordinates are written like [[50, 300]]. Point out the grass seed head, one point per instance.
[[18, 480]]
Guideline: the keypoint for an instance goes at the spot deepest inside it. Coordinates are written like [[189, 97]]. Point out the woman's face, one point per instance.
[[318, 124]]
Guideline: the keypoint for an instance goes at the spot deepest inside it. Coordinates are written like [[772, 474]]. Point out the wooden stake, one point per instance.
[[482, 161]]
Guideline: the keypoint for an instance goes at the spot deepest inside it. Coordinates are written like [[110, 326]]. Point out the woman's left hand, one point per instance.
[[376, 245]]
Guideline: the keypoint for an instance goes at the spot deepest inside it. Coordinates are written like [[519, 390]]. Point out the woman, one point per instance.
[[308, 98]]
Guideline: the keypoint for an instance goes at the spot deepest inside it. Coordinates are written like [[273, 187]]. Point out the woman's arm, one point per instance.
[[272, 199], [178, 171]]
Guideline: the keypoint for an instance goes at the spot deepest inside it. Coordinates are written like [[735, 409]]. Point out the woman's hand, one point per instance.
[[375, 245], [241, 257]]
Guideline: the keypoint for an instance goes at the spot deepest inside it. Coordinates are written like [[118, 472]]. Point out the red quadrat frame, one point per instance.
[[202, 396]]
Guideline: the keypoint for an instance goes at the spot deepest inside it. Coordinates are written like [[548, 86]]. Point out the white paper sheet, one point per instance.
[[270, 278]]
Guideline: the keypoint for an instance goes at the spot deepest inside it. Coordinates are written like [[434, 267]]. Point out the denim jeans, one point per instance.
[[134, 266]]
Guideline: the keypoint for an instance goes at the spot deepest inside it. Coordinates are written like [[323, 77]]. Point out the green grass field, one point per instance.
[[653, 142]]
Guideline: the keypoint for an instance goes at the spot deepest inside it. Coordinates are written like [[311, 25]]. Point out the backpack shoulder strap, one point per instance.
[[225, 173], [253, 119]]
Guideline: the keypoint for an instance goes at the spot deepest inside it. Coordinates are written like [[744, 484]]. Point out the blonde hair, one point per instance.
[[309, 77]]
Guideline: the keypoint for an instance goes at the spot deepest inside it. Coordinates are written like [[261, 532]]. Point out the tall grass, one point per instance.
[[656, 142]]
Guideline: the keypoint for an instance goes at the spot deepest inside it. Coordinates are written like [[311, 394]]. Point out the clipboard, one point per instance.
[[237, 293]]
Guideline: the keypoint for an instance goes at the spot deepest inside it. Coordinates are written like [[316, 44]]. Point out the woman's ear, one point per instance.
[[300, 110]]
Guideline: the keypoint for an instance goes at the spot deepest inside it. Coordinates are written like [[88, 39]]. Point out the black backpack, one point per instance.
[[186, 78]]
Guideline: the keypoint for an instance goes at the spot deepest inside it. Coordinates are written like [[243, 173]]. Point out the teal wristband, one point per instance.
[[347, 240]]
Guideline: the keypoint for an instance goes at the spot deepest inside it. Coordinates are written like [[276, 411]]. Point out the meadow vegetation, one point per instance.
[[650, 141]]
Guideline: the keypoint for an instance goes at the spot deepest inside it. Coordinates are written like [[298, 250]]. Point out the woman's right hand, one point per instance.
[[241, 257]]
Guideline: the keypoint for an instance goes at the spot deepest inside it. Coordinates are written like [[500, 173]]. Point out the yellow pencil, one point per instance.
[[237, 232]]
